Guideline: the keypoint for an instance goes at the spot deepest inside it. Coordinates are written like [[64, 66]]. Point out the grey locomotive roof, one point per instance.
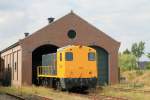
[[60, 49]]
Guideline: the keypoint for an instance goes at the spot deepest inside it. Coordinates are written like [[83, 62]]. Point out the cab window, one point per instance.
[[69, 56], [91, 56]]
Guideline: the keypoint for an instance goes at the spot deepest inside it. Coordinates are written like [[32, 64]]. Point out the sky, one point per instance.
[[127, 21]]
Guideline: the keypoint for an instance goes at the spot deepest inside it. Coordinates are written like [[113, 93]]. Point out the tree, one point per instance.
[[126, 51], [137, 49], [127, 62], [148, 55], [148, 64]]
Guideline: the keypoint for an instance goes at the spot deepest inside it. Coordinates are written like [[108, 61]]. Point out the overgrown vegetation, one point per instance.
[[29, 92], [148, 55], [137, 50], [129, 59], [137, 77], [127, 62], [148, 66], [124, 94], [135, 80]]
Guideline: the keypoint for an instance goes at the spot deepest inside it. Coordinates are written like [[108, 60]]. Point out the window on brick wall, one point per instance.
[[8, 67], [15, 66]]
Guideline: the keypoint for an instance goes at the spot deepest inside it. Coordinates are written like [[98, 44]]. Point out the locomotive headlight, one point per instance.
[[71, 73], [90, 72]]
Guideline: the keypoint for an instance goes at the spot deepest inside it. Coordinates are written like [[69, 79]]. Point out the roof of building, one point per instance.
[[10, 47], [17, 43], [72, 13]]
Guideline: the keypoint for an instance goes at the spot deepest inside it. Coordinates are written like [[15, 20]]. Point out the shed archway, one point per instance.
[[37, 58], [102, 65]]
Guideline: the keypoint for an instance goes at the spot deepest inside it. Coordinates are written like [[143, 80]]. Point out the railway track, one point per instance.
[[98, 97], [130, 90], [34, 97], [104, 97], [15, 96], [43, 97], [90, 96]]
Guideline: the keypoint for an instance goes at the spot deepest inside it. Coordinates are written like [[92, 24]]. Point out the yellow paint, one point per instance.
[[79, 67]]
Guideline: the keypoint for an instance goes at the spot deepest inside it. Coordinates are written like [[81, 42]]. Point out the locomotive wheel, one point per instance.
[[43, 82], [58, 86]]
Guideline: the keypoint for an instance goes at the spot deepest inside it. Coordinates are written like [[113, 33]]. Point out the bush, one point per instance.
[[139, 72], [131, 76], [148, 66], [136, 85], [127, 62]]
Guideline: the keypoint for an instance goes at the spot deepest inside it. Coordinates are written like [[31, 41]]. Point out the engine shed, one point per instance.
[[21, 59]]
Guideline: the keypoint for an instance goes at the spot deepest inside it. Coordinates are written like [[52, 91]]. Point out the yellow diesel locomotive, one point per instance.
[[70, 67]]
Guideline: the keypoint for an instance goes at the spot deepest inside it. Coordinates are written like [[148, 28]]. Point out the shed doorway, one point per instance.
[[102, 65], [37, 58]]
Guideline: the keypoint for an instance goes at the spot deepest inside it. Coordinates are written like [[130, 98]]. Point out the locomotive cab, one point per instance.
[[77, 66]]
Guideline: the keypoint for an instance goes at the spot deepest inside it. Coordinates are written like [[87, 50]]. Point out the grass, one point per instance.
[[137, 80], [29, 91], [129, 95], [139, 77], [56, 95]]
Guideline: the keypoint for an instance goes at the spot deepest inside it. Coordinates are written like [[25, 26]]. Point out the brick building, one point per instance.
[[23, 57]]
